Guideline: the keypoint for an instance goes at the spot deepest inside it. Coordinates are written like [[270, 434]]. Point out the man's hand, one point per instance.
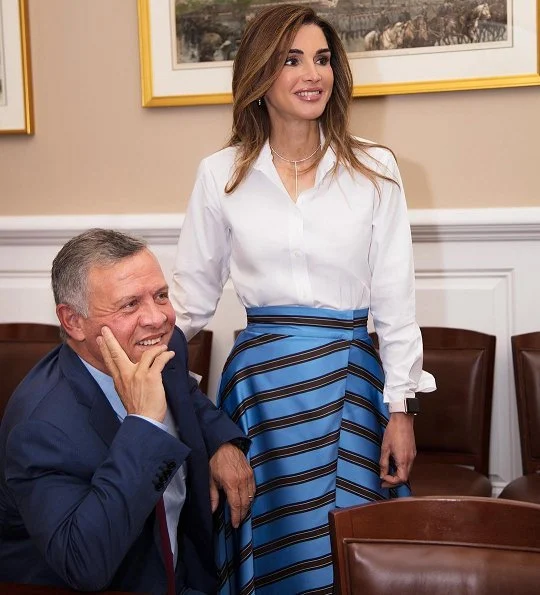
[[230, 471], [139, 385], [398, 443]]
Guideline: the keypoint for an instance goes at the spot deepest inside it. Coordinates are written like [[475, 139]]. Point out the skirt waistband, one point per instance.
[[302, 320]]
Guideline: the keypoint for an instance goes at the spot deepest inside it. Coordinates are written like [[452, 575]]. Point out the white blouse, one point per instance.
[[340, 246]]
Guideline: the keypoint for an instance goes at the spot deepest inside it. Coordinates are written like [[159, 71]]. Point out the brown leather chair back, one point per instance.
[[199, 353], [453, 429], [22, 345], [436, 546], [526, 356], [455, 421]]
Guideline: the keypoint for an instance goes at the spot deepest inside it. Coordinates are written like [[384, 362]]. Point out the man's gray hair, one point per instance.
[[95, 247]]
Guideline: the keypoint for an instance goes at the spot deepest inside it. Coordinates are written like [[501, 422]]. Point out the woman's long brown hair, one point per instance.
[[261, 55]]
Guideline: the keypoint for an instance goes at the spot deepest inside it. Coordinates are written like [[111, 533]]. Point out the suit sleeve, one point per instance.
[[216, 426], [82, 519]]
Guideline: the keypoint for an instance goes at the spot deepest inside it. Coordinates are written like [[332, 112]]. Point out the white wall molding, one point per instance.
[[157, 228], [428, 225], [475, 225]]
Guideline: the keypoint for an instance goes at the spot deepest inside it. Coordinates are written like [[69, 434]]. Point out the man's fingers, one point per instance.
[[240, 499], [237, 507], [161, 361], [110, 363], [214, 495], [117, 356], [232, 473], [155, 358]]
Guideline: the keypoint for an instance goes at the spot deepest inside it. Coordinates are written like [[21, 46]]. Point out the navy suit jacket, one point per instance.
[[78, 489]]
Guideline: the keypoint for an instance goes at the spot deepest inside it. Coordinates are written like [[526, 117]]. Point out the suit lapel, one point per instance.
[[177, 391], [87, 392]]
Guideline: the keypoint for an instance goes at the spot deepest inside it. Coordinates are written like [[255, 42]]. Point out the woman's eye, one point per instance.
[[323, 60], [291, 61]]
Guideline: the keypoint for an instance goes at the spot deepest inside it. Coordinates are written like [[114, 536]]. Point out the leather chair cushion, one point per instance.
[[382, 567], [525, 488], [439, 479]]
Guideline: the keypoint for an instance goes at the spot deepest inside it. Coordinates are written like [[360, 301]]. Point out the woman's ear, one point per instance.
[[71, 322]]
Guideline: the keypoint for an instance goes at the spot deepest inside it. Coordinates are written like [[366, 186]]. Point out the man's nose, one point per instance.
[[152, 315]]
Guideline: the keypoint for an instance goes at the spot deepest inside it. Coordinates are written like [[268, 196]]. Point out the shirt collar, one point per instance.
[[264, 161], [106, 384]]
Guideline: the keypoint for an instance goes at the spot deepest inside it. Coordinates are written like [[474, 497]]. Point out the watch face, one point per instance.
[[413, 406]]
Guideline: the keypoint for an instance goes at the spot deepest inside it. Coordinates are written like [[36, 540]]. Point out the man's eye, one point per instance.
[[163, 297], [130, 305]]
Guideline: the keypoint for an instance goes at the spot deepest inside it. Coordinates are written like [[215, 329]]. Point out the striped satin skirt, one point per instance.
[[305, 384]]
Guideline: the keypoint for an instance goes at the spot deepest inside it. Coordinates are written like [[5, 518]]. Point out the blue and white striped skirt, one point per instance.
[[305, 384]]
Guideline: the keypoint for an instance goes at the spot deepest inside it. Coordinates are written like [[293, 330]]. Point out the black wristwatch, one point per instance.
[[410, 406]]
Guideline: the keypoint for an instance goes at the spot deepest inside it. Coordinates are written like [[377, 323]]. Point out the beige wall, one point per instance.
[[96, 150]]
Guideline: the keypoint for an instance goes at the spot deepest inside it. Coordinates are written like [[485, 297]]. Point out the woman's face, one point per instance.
[[304, 86]]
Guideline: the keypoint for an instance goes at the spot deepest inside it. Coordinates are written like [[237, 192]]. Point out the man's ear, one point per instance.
[[71, 322]]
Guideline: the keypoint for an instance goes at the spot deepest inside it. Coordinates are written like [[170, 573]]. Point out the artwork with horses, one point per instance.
[[393, 46], [208, 31]]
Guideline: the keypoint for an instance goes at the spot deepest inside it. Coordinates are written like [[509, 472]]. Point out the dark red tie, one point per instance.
[[166, 547]]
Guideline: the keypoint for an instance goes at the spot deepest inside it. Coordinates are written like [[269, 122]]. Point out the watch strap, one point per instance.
[[410, 406]]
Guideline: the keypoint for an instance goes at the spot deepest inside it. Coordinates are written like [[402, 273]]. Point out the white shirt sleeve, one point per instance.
[[202, 260], [393, 293]]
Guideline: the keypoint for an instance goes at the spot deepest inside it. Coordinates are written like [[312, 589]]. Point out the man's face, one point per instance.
[[131, 297]]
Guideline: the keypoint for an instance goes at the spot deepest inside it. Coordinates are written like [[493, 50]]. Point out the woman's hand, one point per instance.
[[398, 443]]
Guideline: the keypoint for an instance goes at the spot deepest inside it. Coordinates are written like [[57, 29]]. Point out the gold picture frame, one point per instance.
[[513, 62], [16, 105]]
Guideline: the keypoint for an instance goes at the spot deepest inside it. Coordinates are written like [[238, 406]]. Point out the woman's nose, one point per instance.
[[312, 73]]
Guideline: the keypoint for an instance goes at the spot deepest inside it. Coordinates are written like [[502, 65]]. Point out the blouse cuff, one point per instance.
[[426, 384]]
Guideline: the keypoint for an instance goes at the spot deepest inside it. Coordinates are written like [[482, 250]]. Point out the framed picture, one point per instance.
[[394, 46], [16, 115]]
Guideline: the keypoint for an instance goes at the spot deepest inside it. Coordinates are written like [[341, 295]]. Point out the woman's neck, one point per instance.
[[295, 142]]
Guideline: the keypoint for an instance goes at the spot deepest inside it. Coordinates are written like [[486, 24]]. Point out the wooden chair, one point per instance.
[[453, 429], [199, 353], [22, 345], [526, 357], [436, 546]]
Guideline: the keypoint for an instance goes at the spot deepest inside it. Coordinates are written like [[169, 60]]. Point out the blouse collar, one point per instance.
[[264, 161]]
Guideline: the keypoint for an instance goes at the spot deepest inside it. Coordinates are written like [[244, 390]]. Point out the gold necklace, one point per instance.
[[295, 162]]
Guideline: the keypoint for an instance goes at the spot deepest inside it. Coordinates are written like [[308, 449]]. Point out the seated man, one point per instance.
[[107, 429]]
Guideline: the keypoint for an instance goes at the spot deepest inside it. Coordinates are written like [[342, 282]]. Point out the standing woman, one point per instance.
[[311, 225]]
